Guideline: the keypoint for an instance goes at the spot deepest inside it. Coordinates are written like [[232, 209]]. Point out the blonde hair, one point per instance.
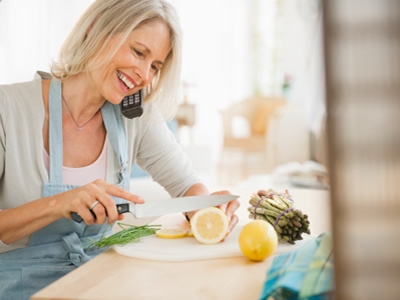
[[105, 18]]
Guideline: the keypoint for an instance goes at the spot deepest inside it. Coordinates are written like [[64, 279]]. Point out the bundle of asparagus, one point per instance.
[[277, 209]]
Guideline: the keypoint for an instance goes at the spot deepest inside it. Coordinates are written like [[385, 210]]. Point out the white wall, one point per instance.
[[220, 62], [222, 65], [301, 128], [31, 33], [303, 55]]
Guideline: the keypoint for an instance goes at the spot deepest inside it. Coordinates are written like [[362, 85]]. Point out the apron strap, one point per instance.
[[116, 133], [55, 132]]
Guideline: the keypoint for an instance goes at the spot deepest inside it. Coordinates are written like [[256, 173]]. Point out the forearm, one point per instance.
[[197, 189], [22, 221]]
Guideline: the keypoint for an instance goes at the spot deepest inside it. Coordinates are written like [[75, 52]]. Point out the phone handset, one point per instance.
[[131, 106]]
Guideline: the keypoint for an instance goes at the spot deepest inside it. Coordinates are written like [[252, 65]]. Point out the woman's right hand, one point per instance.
[[94, 202], [22, 221]]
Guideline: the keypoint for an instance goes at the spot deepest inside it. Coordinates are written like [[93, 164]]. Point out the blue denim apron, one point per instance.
[[61, 246]]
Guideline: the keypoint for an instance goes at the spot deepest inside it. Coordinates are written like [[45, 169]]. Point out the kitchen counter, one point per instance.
[[114, 276]]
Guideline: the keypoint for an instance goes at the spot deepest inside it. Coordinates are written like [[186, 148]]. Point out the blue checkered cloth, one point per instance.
[[303, 274]]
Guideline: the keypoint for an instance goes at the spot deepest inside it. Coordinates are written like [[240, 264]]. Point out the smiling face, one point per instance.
[[134, 64]]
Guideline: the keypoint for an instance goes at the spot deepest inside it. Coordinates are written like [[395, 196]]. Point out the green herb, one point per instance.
[[278, 209], [129, 233]]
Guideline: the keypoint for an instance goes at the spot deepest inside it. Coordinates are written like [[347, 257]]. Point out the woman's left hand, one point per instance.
[[229, 208]]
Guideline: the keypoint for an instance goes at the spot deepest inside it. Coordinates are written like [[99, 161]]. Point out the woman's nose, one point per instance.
[[145, 73]]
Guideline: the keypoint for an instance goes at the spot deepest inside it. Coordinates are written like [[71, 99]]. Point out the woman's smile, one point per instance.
[[128, 82], [135, 63]]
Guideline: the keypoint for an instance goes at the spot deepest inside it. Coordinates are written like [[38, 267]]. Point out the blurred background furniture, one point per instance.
[[186, 114], [245, 129], [288, 137], [186, 118]]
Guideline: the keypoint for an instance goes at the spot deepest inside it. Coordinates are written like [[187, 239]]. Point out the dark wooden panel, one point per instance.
[[362, 52]]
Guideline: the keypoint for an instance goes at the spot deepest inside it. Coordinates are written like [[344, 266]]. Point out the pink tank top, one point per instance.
[[84, 175]]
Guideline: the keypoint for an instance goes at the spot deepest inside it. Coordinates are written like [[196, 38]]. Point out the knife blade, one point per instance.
[[168, 206]]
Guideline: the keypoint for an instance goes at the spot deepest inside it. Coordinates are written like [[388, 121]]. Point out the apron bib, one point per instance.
[[61, 246]]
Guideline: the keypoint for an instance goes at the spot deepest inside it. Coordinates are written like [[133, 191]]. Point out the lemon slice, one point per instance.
[[209, 225], [171, 233], [190, 233]]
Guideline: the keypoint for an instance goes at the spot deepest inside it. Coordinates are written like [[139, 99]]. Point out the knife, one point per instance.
[[168, 206]]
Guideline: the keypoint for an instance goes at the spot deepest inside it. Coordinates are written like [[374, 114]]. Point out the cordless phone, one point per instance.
[[131, 106]]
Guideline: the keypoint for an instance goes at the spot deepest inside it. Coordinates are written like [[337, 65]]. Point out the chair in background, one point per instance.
[[256, 112]]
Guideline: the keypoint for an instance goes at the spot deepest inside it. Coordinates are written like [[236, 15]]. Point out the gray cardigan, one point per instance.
[[22, 172]]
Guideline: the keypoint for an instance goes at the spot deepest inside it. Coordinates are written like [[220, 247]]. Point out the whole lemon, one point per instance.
[[258, 240]]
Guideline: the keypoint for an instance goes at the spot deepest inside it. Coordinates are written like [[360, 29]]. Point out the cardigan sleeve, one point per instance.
[[2, 136], [160, 154]]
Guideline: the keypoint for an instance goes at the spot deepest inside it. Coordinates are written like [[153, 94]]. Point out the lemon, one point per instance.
[[258, 240], [171, 233], [209, 225]]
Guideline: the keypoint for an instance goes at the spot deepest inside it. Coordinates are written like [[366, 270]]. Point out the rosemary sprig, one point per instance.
[[129, 233]]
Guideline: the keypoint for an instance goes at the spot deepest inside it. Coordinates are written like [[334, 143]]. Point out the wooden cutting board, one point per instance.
[[188, 248]]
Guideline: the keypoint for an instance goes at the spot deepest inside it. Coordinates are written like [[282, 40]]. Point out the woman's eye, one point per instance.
[[138, 53], [154, 68]]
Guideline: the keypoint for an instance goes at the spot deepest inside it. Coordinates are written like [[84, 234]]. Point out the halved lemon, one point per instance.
[[171, 233], [209, 225]]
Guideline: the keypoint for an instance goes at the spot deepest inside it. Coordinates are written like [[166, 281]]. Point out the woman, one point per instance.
[[64, 146]]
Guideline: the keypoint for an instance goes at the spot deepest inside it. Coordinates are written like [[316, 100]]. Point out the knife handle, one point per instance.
[[121, 208], [77, 218]]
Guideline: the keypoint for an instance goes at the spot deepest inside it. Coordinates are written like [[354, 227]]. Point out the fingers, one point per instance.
[[95, 204], [105, 210], [222, 206], [223, 192], [119, 192], [232, 207], [99, 214], [229, 208], [233, 219], [233, 222]]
